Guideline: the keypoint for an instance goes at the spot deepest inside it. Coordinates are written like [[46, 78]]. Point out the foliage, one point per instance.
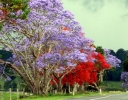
[[125, 64], [0, 56], [10, 10], [113, 74], [121, 54], [100, 49], [112, 60], [5, 55], [124, 74], [124, 78]]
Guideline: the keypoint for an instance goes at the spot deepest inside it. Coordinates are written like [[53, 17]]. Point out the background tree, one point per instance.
[[100, 49], [121, 54], [124, 75], [125, 64], [127, 52]]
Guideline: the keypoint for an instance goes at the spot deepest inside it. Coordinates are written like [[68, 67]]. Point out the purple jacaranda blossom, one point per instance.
[[124, 76], [124, 79], [18, 13], [62, 68], [17, 63], [7, 78], [112, 60], [50, 58], [76, 55]]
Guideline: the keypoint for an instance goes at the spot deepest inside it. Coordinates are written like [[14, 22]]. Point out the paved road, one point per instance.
[[123, 96]]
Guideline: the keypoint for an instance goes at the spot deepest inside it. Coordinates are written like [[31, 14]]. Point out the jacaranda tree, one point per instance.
[[40, 43]]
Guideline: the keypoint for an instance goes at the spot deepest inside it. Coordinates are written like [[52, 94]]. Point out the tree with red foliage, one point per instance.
[[87, 71], [80, 74]]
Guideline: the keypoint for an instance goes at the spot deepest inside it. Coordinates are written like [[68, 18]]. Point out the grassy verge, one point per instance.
[[64, 97], [60, 97], [6, 96], [109, 88]]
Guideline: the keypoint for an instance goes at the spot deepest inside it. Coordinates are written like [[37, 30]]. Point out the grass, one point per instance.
[[6, 96], [112, 86], [62, 97], [108, 88], [2, 83]]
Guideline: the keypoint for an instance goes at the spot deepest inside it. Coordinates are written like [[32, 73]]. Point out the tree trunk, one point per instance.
[[101, 74], [41, 87], [59, 90], [74, 89], [81, 88]]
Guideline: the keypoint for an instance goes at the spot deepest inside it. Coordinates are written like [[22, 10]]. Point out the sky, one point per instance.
[[104, 21]]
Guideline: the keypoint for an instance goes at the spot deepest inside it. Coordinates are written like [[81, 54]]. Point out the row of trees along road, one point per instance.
[[47, 44]]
